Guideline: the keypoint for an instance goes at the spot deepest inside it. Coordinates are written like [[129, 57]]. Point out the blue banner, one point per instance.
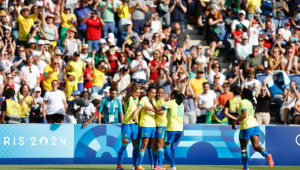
[[99, 144]]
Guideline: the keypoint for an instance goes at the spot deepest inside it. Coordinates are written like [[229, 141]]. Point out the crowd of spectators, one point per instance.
[[74, 61]]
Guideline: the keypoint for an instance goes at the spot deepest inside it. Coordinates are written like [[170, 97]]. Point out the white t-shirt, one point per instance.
[[253, 33], [286, 34], [6, 64], [140, 72], [210, 77], [122, 84], [72, 46], [42, 63], [236, 21], [54, 102], [202, 59], [250, 85], [30, 76], [206, 100]]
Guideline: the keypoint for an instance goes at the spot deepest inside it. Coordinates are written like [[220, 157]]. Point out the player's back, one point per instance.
[[250, 120]]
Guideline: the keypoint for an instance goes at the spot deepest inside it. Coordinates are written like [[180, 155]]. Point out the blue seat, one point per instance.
[[261, 77], [296, 78]]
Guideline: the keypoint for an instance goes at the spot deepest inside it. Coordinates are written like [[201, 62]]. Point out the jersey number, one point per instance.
[[180, 111]]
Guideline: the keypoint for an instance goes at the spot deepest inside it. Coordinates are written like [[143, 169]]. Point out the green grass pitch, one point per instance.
[[147, 167]]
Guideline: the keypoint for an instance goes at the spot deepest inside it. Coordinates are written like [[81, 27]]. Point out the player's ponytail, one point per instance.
[[178, 96], [247, 94]]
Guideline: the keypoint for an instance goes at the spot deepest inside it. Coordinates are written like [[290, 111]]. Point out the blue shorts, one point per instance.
[[172, 136], [160, 132], [130, 131], [148, 132], [247, 133]]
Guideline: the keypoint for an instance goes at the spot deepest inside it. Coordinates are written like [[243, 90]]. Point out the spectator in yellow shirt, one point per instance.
[[26, 101], [68, 20], [77, 66], [196, 83], [123, 13], [71, 85], [51, 73], [25, 22]]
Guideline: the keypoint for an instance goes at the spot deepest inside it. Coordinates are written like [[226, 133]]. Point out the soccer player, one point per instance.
[[249, 128], [175, 124], [161, 123], [147, 123], [130, 129]]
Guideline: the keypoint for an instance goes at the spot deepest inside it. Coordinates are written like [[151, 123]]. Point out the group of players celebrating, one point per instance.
[[159, 125]]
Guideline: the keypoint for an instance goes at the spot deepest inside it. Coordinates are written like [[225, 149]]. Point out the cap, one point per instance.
[[102, 41], [76, 53], [147, 25], [269, 15], [95, 96], [41, 42], [239, 26], [2, 13], [89, 60], [50, 15], [236, 62], [13, 67], [73, 29], [106, 89], [245, 36], [25, 7], [125, 68], [11, 9], [200, 70], [94, 13], [36, 89], [67, 6], [47, 42], [128, 22], [71, 73], [214, 6], [85, 45], [242, 12], [173, 35], [76, 93], [214, 2], [288, 23], [31, 41], [141, 32], [111, 37], [57, 52], [297, 27]]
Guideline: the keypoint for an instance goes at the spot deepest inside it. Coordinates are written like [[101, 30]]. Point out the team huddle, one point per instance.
[[159, 125]]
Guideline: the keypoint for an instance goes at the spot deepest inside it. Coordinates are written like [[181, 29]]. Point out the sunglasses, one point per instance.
[[250, 76], [21, 50], [217, 77], [85, 49], [216, 67], [56, 63], [9, 77], [145, 44], [29, 69]]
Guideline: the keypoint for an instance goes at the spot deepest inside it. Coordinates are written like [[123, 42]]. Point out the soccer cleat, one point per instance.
[[120, 167], [139, 167], [154, 167], [157, 167], [133, 167], [270, 160], [245, 169], [172, 168], [168, 166]]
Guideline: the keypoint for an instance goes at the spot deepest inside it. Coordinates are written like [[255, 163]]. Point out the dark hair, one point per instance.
[[160, 87], [22, 87], [215, 65], [4, 91], [143, 88], [236, 90], [151, 86], [83, 93], [113, 89], [178, 96], [247, 94], [203, 84], [95, 102], [10, 92]]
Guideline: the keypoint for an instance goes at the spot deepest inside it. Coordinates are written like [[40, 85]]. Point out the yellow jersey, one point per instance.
[[249, 121], [69, 88], [130, 107], [47, 82], [78, 68], [197, 86], [161, 120], [25, 25], [147, 117], [125, 13], [98, 77], [175, 115], [66, 20], [252, 4], [25, 106]]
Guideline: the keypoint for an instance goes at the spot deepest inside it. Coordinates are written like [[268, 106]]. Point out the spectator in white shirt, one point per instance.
[[138, 68], [286, 32], [41, 57], [243, 49], [207, 101], [240, 20], [31, 73]]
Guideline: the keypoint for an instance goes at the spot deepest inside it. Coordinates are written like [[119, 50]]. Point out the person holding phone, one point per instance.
[[68, 20]]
